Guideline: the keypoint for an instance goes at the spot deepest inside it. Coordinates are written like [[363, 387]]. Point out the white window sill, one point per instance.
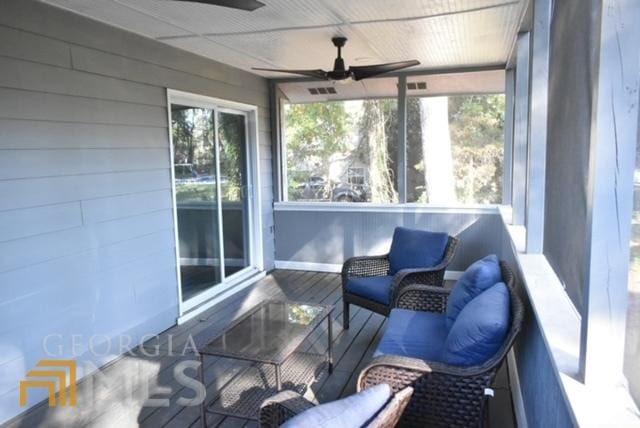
[[385, 208], [560, 325]]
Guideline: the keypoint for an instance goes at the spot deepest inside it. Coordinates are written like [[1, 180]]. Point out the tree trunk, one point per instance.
[[436, 150], [380, 179]]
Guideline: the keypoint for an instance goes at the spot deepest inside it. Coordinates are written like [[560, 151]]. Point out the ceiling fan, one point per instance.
[[248, 5], [339, 71]]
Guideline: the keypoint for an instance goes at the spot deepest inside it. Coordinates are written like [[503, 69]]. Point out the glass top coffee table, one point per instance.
[[269, 335]]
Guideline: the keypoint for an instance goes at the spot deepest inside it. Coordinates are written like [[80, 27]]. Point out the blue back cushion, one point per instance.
[[480, 328], [412, 248], [353, 411], [478, 277]]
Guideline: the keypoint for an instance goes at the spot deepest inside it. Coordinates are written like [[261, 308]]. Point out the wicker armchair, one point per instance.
[[283, 406], [369, 266], [444, 395]]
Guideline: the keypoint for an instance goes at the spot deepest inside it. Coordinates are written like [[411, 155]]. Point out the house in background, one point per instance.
[[145, 178]]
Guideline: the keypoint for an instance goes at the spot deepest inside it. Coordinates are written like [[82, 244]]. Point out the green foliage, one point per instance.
[[477, 135], [195, 192], [193, 138], [314, 132], [476, 125], [231, 138], [194, 154]]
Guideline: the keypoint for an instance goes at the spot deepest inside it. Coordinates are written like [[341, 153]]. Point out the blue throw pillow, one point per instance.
[[480, 329], [412, 248], [351, 412], [478, 277]]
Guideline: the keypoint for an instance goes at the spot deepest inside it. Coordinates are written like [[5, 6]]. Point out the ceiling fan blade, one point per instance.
[[249, 5], [363, 71], [318, 74]]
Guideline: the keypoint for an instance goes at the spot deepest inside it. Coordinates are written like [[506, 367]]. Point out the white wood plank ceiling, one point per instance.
[[297, 33]]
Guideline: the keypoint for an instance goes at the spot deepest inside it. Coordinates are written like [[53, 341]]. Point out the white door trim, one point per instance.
[[255, 250]]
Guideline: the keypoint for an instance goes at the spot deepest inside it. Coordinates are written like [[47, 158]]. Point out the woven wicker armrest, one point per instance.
[[398, 372], [443, 395], [391, 414], [283, 406], [365, 266], [417, 297]]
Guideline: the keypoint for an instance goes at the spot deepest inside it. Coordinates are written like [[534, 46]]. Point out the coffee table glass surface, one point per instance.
[[269, 336], [268, 333]]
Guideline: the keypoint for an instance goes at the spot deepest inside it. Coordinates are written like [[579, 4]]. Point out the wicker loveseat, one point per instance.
[[445, 395], [379, 272]]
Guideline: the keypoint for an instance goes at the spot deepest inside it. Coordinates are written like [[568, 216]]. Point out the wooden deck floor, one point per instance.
[[120, 396]]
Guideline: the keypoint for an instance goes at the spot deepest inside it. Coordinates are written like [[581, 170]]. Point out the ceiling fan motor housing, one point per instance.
[[339, 71], [339, 41]]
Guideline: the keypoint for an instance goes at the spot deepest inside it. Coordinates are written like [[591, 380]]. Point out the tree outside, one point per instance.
[[327, 144], [193, 136], [454, 149], [314, 133], [194, 155], [476, 132]]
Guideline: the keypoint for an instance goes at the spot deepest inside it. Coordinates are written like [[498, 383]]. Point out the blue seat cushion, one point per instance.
[[413, 334], [351, 412], [376, 288], [416, 249], [480, 328], [478, 277]]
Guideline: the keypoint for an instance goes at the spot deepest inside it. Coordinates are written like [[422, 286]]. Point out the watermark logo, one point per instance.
[[74, 357], [65, 373]]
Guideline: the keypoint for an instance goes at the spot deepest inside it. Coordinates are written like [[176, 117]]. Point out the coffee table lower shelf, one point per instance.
[[243, 395]]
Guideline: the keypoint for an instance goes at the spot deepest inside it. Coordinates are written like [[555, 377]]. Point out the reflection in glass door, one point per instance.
[[195, 171], [233, 190], [212, 208]]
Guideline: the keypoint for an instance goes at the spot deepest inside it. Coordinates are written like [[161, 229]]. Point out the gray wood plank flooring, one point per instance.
[[125, 404]]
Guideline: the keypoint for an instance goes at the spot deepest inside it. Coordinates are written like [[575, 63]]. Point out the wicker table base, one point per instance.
[[243, 396], [267, 336]]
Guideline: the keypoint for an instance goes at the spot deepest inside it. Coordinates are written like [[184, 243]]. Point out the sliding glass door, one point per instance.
[[211, 182], [233, 190]]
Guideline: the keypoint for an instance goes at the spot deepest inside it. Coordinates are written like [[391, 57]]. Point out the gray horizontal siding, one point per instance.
[[24, 281], [53, 162], [29, 46], [86, 220], [93, 61], [20, 104], [51, 190], [111, 208], [332, 236], [19, 74], [40, 248], [28, 134], [22, 223]]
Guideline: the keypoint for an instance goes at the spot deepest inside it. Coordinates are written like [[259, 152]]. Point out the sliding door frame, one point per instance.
[[254, 215]]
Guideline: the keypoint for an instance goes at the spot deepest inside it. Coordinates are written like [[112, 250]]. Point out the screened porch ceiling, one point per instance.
[[296, 33]]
